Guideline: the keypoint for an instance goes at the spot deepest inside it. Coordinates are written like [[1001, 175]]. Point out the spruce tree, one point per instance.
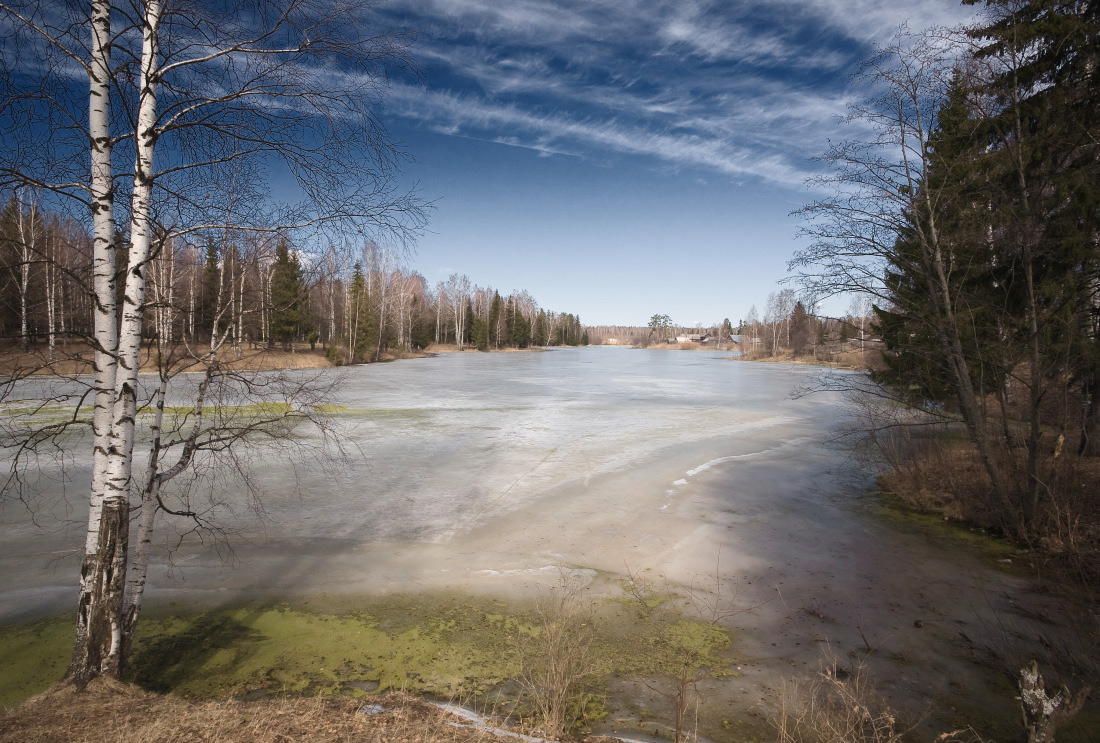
[[288, 294], [208, 299], [800, 329], [493, 330]]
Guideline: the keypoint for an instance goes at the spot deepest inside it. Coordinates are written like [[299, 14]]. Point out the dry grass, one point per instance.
[[113, 712], [944, 477], [77, 359], [943, 474], [871, 359], [835, 706]]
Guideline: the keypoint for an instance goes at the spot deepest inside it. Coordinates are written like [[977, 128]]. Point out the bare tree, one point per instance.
[[860, 310], [880, 193], [457, 290], [194, 95]]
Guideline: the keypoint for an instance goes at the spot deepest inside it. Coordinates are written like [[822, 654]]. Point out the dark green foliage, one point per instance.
[[517, 327], [467, 332], [423, 330], [542, 329], [801, 339], [479, 334], [363, 331], [288, 296], [492, 331], [209, 292]]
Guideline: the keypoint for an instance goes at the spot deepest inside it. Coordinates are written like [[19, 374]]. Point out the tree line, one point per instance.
[[259, 292], [970, 218], [793, 325]]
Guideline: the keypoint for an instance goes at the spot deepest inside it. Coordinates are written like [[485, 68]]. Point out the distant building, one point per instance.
[[693, 338]]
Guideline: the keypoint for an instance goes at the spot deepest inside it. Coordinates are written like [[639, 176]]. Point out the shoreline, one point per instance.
[[798, 361], [71, 363]]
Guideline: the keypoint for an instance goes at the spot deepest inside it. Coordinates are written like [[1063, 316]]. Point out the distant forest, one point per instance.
[[258, 290]]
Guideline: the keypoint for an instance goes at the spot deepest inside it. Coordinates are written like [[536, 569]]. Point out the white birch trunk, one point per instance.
[[89, 648], [438, 314], [51, 295], [26, 238], [124, 404]]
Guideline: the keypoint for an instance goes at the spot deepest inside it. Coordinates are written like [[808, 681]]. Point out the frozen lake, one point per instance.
[[467, 468], [489, 472]]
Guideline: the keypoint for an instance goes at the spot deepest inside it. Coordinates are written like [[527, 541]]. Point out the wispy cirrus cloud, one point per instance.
[[743, 90]]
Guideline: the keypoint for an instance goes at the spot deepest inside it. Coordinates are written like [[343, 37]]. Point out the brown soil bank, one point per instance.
[[109, 712]]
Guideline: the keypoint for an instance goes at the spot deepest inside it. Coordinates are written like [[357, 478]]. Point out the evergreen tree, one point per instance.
[[493, 330], [288, 296], [422, 332], [479, 334], [1043, 165], [467, 331], [361, 325], [800, 329], [208, 296], [541, 333]]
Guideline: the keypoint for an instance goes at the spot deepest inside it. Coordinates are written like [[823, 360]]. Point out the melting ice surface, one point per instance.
[[472, 465]]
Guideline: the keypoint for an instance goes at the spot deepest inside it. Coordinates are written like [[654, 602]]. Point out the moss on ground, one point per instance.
[[994, 548], [446, 646], [33, 656]]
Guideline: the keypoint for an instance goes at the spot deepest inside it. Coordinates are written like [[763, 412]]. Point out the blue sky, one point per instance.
[[620, 159]]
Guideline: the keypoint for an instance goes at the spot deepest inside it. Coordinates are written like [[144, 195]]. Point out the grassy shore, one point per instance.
[[76, 359], [835, 360]]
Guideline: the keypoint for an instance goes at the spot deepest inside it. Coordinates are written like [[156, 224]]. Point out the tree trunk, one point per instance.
[[1090, 415], [93, 616], [51, 297], [1044, 714], [98, 647], [139, 570]]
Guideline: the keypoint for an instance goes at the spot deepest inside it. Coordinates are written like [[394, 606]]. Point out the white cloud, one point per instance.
[[557, 134], [693, 83]]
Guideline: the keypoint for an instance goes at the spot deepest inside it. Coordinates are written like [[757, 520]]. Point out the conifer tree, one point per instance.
[[361, 326], [211, 285], [288, 295], [493, 331]]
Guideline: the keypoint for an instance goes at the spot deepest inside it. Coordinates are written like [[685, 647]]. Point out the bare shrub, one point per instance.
[[686, 652], [557, 662], [835, 706]]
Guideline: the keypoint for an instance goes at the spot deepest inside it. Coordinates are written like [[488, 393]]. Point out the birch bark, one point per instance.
[[88, 648]]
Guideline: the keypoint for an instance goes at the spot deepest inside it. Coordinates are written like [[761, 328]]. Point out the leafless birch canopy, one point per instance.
[[251, 98], [191, 115]]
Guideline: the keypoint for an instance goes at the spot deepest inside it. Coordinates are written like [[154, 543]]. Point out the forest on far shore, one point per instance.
[[256, 291]]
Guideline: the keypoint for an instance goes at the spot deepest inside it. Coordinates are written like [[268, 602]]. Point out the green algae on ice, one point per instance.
[[445, 646], [992, 547], [33, 656]]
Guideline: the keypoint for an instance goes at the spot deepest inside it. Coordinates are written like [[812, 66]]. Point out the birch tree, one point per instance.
[[884, 198], [188, 94], [457, 290]]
